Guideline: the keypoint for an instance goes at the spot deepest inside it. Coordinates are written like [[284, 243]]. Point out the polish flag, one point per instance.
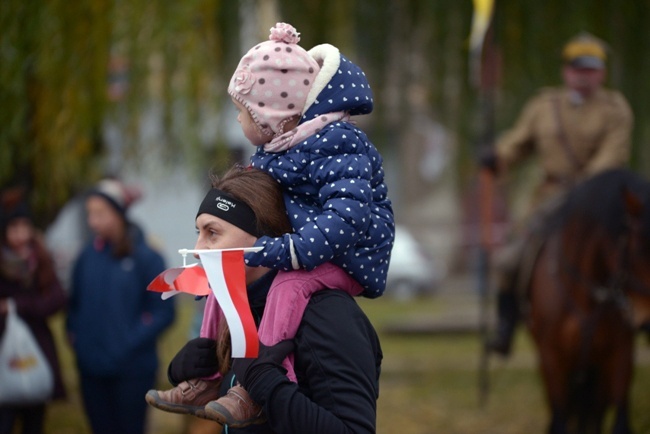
[[227, 277], [190, 279]]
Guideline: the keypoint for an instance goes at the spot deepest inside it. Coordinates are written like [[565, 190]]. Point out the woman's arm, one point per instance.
[[337, 361]]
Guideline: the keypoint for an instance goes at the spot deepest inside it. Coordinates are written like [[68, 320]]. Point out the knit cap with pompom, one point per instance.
[[273, 79], [119, 195]]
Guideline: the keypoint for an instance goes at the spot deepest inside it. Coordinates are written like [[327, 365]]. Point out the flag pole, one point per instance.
[[184, 252], [481, 55], [243, 249]]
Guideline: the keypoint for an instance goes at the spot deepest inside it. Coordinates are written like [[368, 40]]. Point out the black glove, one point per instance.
[[248, 371], [197, 359], [488, 159]]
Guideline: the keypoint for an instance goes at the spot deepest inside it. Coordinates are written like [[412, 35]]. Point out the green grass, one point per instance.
[[429, 383]]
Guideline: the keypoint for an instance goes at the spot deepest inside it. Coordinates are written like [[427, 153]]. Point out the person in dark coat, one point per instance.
[[337, 351], [113, 322], [27, 276]]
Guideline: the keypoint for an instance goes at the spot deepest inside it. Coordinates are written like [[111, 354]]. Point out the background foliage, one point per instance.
[[69, 68]]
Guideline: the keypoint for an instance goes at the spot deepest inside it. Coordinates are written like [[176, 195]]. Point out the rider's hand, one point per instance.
[[488, 159]]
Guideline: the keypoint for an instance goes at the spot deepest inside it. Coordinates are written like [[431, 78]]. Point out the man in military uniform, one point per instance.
[[576, 131]]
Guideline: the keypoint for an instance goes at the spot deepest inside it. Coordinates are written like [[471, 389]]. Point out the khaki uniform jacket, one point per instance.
[[572, 140]]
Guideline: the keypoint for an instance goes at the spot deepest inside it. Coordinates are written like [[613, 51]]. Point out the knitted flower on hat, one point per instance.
[[273, 79]]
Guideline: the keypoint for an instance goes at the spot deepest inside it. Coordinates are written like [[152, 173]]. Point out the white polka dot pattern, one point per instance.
[[334, 192]]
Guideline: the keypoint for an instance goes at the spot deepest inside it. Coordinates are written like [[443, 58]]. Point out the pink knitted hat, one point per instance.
[[273, 79]]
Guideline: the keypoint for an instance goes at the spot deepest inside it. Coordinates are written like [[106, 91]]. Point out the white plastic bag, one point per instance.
[[25, 374]]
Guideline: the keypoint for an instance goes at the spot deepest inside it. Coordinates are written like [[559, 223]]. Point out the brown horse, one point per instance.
[[588, 293]]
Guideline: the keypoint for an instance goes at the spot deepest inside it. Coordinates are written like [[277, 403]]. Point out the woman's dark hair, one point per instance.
[[131, 232], [14, 204], [261, 193]]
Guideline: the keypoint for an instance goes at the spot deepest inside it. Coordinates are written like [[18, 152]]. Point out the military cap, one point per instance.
[[585, 51]]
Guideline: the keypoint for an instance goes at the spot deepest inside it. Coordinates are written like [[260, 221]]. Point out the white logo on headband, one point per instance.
[[224, 204]]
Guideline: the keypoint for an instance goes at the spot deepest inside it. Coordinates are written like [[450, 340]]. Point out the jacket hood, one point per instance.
[[339, 86]]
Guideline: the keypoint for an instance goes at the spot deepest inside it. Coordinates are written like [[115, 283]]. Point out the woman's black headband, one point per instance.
[[234, 211]]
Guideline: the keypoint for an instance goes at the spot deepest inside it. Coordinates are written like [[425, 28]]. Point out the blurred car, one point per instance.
[[412, 272]]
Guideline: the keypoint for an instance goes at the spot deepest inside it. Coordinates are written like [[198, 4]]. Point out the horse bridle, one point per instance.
[[612, 292], [620, 282]]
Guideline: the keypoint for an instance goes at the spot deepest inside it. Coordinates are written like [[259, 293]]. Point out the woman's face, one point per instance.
[[103, 219], [583, 80], [19, 234], [215, 233]]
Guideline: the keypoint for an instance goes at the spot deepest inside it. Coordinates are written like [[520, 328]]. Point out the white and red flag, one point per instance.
[[190, 279], [223, 273], [227, 277]]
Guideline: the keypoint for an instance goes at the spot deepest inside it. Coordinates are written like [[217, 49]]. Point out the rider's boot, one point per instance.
[[645, 328], [508, 316]]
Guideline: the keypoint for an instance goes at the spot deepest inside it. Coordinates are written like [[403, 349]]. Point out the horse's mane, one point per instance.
[[599, 203]]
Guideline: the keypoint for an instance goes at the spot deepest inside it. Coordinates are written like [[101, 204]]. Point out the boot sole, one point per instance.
[[153, 399], [220, 414]]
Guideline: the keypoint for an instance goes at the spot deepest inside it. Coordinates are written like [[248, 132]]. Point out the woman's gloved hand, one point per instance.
[[197, 359], [248, 371]]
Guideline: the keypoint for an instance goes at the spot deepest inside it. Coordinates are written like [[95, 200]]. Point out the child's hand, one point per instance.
[[275, 254]]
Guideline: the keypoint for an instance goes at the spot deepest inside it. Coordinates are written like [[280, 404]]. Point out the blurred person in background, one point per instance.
[[113, 322], [27, 276], [576, 130]]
